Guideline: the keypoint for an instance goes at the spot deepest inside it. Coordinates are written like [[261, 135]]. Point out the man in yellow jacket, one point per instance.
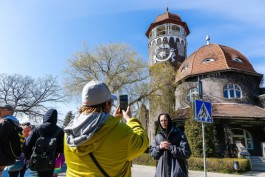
[[97, 143]]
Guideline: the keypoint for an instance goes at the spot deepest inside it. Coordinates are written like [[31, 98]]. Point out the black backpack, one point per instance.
[[16, 139], [44, 152]]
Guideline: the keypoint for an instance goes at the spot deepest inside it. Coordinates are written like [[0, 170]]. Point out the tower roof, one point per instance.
[[167, 17], [212, 58]]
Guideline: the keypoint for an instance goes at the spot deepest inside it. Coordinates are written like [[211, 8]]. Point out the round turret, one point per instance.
[[167, 39]]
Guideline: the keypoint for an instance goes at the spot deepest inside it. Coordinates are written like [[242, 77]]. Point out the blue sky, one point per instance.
[[37, 37]]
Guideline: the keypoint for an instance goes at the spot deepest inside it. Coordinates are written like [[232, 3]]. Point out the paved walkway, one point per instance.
[[148, 171]]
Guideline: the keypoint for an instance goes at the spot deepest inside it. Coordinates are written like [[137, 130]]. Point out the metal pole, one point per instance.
[[204, 153], [203, 136]]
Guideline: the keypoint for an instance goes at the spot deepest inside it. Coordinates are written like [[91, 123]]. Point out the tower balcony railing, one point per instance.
[[166, 33]]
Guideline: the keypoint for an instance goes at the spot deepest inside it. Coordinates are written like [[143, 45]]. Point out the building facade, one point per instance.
[[229, 82]]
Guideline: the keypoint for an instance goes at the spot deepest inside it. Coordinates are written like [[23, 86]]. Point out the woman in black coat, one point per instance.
[[171, 149]]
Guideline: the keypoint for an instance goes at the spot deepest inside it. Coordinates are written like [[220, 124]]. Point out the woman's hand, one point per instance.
[[164, 145], [117, 112], [125, 114]]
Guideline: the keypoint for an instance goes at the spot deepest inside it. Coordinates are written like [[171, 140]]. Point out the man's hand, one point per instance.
[[164, 145]]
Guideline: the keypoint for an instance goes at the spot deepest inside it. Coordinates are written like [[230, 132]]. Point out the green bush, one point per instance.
[[219, 165]]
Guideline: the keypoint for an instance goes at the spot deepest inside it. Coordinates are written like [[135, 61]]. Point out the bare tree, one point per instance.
[[121, 68], [29, 96], [118, 65]]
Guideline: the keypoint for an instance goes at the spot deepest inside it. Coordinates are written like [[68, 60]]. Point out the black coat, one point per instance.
[[172, 162], [48, 127], [5, 150]]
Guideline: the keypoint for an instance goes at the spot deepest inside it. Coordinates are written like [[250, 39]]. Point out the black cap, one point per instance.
[[7, 106]]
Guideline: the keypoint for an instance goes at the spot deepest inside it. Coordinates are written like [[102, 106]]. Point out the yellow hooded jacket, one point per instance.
[[114, 146]]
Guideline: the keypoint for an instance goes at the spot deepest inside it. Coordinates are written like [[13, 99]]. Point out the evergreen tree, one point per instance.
[[69, 116]]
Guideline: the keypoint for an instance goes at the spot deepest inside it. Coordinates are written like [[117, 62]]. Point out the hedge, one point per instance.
[[219, 165]]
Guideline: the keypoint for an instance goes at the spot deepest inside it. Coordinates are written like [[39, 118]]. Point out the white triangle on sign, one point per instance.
[[203, 113]]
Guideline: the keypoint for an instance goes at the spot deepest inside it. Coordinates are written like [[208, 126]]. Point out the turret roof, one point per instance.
[[214, 57]]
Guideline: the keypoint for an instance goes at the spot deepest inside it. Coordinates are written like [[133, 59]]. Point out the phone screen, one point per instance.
[[123, 102]]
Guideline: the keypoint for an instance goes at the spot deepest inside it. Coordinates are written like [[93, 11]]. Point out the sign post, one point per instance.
[[202, 113]]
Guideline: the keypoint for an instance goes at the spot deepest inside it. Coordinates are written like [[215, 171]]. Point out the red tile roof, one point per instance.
[[167, 17], [228, 110], [235, 110], [223, 57]]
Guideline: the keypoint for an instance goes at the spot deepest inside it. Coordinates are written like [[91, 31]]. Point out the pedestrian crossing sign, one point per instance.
[[203, 111]]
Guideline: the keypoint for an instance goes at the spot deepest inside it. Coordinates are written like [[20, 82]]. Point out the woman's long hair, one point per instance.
[[169, 123], [95, 108]]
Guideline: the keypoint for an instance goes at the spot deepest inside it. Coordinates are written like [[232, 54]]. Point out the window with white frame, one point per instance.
[[232, 91], [243, 136], [191, 94]]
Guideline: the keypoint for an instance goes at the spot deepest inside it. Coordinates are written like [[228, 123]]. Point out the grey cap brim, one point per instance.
[[113, 97]]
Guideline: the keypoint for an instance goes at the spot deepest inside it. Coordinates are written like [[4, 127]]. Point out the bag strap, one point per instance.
[[98, 165]]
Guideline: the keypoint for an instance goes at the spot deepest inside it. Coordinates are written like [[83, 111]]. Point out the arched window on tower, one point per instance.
[[232, 91], [171, 40], [161, 30], [159, 41], [192, 93], [175, 29], [165, 40]]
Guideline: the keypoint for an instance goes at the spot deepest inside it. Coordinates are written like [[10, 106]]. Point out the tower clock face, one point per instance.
[[163, 52]]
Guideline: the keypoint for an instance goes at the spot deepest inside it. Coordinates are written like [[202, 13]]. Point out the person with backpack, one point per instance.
[[171, 149], [99, 144], [11, 138], [43, 145]]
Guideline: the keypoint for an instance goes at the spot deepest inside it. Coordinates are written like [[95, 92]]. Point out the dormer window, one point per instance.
[[237, 60], [207, 60], [184, 68]]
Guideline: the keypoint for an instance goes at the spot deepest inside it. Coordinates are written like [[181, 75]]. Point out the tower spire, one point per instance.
[[207, 40], [167, 4]]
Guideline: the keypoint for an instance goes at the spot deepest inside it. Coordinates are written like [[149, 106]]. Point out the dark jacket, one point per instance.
[[48, 127], [5, 151], [172, 162]]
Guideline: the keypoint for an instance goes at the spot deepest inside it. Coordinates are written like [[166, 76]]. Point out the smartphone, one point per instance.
[[123, 102]]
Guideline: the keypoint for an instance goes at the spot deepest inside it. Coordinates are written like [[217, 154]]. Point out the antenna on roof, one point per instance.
[[167, 4], [207, 40]]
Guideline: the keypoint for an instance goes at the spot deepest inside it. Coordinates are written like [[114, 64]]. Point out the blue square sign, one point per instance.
[[203, 111]]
